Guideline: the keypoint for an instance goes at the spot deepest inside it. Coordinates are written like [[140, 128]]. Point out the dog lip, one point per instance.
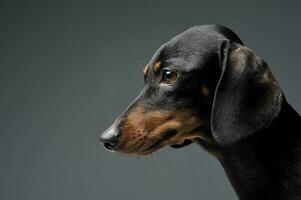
[[152, 148], [160, 143], [186, 142]]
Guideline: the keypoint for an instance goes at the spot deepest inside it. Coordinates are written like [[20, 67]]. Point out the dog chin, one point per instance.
[[154, 148]]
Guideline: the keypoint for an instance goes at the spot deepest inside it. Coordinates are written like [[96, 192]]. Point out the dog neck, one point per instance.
[[266, 165]]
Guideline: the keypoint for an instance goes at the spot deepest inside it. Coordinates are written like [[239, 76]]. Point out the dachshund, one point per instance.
[[205, 86]]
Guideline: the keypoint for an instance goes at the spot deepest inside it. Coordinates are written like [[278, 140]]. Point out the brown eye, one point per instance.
[[168, 76]]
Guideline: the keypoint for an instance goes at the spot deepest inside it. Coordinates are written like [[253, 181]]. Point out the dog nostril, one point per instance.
[[110, 143]]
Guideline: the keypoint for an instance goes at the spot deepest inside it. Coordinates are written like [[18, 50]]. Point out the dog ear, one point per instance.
[[247, 97]]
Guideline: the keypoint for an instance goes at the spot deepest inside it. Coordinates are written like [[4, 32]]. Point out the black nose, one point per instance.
[[109, 143]]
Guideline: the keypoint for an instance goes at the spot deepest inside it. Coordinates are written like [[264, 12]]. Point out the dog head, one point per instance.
[[202, 85]]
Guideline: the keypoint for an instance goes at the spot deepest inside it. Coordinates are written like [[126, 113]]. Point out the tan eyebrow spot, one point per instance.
[[145, 70], [157, 65], [205, 90]]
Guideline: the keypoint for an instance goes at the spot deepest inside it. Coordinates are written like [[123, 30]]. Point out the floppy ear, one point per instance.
[[247, 97]]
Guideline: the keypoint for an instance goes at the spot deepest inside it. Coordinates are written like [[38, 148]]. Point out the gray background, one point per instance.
[[67, 69]]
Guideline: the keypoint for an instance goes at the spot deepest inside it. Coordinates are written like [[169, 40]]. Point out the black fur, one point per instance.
[[252, 130]]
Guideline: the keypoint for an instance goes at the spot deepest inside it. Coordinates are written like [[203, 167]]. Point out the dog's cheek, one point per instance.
[[131, 129], [143, 127], [137, 126], [130, 136]]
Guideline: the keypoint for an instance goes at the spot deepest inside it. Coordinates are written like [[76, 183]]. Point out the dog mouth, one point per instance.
[[163, 140], [143, 131], [160, 144], [148, 146]]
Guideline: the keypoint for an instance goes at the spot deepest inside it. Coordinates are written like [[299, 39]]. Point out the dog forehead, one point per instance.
[[201, 40], [189, 50], [195, 46], [193, 42]]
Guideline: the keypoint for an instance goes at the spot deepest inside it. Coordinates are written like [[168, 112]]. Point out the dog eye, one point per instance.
[[168, 76]]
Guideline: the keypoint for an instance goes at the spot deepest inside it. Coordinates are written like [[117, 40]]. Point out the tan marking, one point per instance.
[[145, 70], [265, 77], [205, 90], [157, 66], [144, 127], [238, 58]]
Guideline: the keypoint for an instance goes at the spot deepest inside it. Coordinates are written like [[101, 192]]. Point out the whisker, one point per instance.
[[152, 159], [141, 64]]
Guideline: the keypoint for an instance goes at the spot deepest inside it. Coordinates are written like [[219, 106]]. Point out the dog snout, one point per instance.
[[109, 139]]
